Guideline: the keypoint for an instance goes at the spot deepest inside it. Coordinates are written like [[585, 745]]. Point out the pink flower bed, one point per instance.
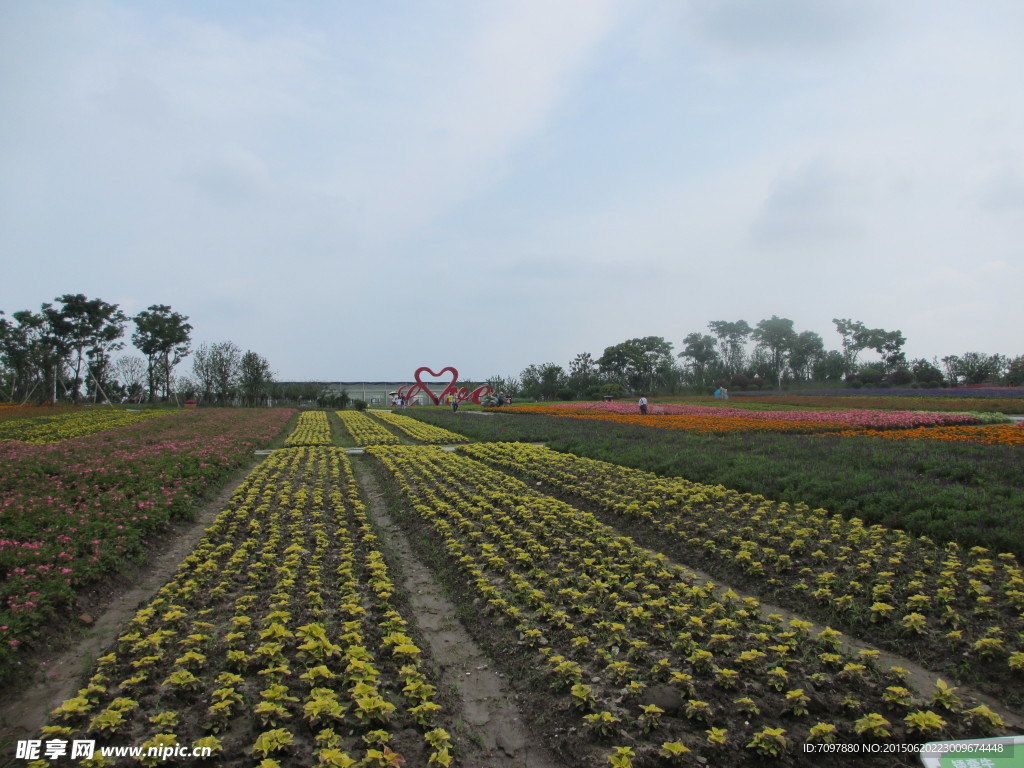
[[73, 512], [858, 418]]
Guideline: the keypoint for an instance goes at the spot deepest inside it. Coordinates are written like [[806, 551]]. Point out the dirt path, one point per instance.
[[487, 705], [56, 678]]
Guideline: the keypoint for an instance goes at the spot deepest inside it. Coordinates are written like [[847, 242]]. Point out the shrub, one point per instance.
[[613, 389]]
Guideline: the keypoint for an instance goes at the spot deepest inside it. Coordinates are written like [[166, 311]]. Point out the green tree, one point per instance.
[[254, 378], [856, 338], [830, 366], [87, 330], [889, 344], [510, 386], [637, 363], [776, 337], [732, 344], [975, 367], [583, 373], [216, 368], [162, 335], [1014, 376], [926, 372], [31, 356], [805, 352], [702, 355], [542, 382]]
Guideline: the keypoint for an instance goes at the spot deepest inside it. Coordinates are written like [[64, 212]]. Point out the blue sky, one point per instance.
[[357, 189]]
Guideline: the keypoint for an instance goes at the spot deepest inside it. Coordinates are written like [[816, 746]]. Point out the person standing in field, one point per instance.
[[643, 405]]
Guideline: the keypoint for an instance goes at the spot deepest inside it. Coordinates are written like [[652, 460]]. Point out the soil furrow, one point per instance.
[[498, 735]]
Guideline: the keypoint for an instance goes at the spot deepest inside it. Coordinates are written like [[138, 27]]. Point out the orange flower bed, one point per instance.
[[1000, 434]]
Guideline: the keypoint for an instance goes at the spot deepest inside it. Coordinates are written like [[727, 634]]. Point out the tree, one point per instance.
[[856, 338], [254, 378], [130, 371], [701, 352], [637, 362], [583, 373], [889, 344], [830, 366], [806, 349], [162, 335], [732, 344], [510, 386], [542, 382], [975, 367], [1014, 376], [31, 356], [216, 368], [776, 337], [926, 372], [87, 330]]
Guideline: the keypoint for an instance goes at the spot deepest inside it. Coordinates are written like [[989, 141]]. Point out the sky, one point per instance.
[[354, 190]]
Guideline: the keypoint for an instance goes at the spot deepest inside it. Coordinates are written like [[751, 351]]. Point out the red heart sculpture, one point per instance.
[[450, 387]]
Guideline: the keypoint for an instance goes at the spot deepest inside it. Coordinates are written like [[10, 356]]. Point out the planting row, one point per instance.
[[312, 429], [54, 426], [646, 659], [276, 643], [419, 431], [959, 610], [366, 431], [78, 510]]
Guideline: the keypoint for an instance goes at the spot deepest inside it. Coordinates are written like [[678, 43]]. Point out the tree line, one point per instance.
[[68, 352], [770, 354]]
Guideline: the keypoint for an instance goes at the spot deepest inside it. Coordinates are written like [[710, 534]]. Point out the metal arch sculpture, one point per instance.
[[461, 394]]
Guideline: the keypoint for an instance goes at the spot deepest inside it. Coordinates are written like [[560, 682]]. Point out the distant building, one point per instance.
[[379, 393]]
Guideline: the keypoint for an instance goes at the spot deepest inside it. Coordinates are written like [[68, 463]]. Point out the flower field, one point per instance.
[[43, 426], [892, 425], [277, 641], [74, 511], [418, 431], [997, 434], [282, 639], [647, 658], [865, 418], [959, 611], [365, 430], [1003, 400]]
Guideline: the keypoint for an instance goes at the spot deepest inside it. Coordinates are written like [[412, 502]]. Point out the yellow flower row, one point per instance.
[[366, 431], [965, 606], [609, 620], [278, 634], [420, 431], [312, 429], [46, 430]]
